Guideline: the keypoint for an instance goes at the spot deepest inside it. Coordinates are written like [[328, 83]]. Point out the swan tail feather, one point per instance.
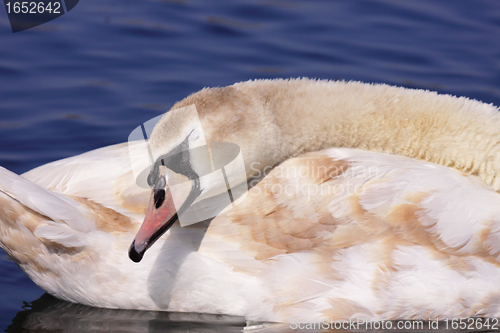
[[32, 216]]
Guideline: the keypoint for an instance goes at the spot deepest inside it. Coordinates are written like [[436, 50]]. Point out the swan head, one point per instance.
[[171, 170], [181, 174]]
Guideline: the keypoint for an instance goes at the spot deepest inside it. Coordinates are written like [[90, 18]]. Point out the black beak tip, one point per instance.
[[133, 254]]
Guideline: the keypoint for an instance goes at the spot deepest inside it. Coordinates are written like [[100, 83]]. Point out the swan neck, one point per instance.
[[306, 115]]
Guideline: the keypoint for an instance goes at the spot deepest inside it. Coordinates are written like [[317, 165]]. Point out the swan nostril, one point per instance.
[[159, 197]]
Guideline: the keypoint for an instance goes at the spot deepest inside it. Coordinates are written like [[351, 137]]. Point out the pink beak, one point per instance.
[[157, 221]]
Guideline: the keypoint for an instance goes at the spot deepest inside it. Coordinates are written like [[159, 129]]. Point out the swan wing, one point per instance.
[[103, 176], [52, 216], [72, 247], [72, 207], [345, 232]]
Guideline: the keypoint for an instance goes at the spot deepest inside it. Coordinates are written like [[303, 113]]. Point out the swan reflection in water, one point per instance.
[[49, 314]]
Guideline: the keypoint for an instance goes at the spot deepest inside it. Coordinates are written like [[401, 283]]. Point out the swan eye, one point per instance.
[[159, 197]]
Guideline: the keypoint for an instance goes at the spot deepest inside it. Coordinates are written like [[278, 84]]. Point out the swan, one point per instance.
[[370, 201]]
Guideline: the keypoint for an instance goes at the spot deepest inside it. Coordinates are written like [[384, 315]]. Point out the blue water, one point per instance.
[[86, 79]]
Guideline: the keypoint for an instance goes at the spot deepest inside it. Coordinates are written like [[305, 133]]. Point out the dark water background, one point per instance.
[[86, 79]]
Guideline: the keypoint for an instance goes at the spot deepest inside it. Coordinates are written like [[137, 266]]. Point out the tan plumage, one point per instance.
[[335, 233]]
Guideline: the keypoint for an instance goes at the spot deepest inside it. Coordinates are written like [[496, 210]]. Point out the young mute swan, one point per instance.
[[383, 203]]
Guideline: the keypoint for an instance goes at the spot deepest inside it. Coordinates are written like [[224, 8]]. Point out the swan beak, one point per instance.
[[156, 223], [162, 212]]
